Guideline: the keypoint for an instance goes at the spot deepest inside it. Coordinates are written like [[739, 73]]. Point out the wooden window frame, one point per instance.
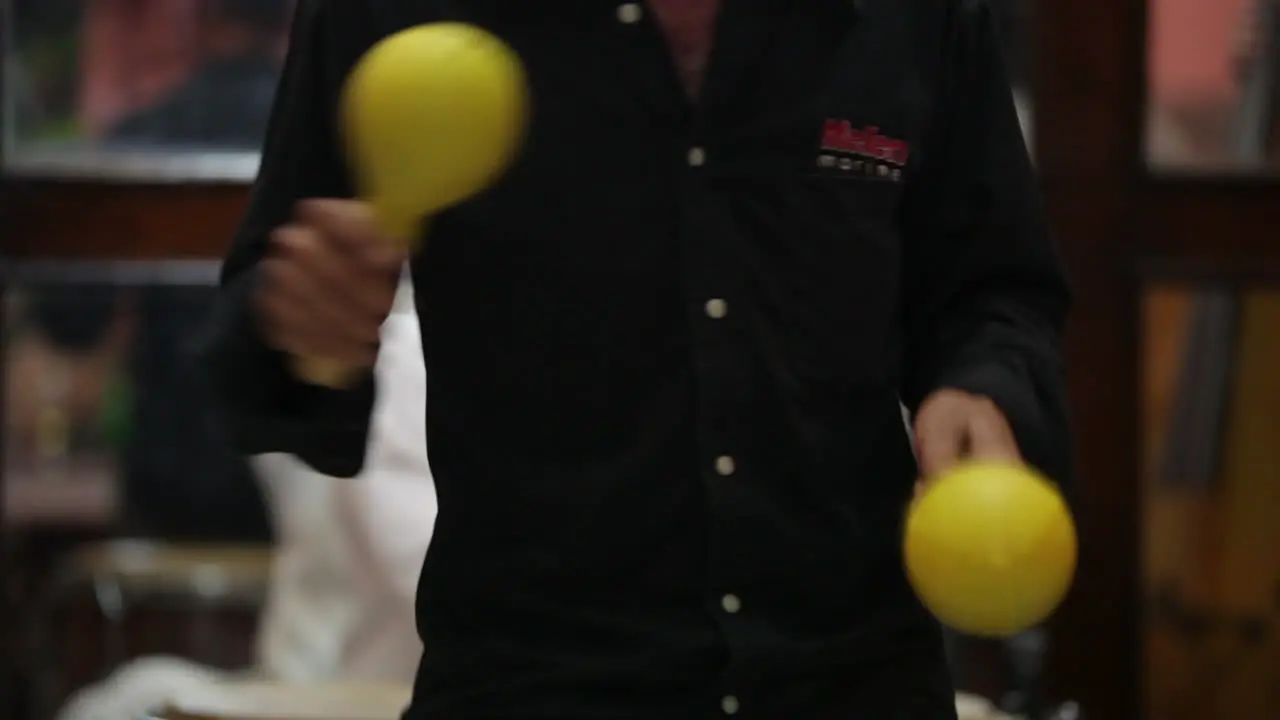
[[1120, 225]]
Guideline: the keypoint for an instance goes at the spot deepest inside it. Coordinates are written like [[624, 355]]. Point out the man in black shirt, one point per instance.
[[665, 353]]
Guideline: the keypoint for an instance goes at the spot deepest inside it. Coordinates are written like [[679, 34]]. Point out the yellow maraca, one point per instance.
[[990, 548], [432, 115]]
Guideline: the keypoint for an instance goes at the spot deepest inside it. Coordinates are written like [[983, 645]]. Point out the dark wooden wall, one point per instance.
[[57, 220], [1121, 226], [1088, 85]]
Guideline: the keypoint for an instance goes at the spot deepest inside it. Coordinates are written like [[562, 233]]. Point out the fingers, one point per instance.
[[988, 435], [940, 441], [327, 283], [332, 277], [352, 229], [301, 316], [954, 426]]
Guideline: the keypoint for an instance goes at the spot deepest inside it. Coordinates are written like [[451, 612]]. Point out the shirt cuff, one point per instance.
[[1014, 393], [266, 408]]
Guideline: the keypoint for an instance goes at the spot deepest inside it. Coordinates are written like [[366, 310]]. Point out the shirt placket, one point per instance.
[[711, 278]]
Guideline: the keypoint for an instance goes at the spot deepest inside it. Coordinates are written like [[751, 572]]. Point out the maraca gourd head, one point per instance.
[[990, 548], [432, 115]]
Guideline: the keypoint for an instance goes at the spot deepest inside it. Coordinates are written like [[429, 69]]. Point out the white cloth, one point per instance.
[[139, 687], [973, 707], [311, 605], [359, 543], [340, 606], [390, 513]]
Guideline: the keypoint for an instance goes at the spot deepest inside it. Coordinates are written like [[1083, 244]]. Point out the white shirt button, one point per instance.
[[729, 704], [731, 604], [630, 13], [716, 308], [725, 465], [697, 157]]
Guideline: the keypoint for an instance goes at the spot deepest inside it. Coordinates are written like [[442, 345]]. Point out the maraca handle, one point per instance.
[[326, 373]]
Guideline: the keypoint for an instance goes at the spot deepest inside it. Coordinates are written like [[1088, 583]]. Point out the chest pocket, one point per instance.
[[840, 115], [871, 120], [866, 139], [844, 157]]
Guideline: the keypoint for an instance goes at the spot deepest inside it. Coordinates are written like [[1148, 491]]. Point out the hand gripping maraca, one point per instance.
[[990, 548], [432, 116]]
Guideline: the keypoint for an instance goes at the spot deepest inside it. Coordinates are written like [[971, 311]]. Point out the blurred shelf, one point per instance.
[[79, 495], [59, 219], [151, 166]]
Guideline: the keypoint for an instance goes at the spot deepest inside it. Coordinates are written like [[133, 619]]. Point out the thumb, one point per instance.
[[989, 438], [939, 444]]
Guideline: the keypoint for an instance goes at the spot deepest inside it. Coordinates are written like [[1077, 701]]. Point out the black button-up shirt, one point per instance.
[[665, 353]]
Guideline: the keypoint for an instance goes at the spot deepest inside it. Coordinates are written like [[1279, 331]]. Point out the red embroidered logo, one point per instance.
[[862, 150]]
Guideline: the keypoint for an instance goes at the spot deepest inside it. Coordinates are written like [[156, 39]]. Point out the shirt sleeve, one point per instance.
[[985, 297], [266, 408]]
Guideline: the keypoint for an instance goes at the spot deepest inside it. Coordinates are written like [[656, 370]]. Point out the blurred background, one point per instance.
[[130, 528]]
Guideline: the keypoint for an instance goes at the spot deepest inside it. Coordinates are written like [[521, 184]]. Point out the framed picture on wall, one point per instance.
[[141, 89]]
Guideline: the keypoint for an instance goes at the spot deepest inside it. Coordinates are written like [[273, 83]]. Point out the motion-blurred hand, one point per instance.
[[952, 425], [328, 283]]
